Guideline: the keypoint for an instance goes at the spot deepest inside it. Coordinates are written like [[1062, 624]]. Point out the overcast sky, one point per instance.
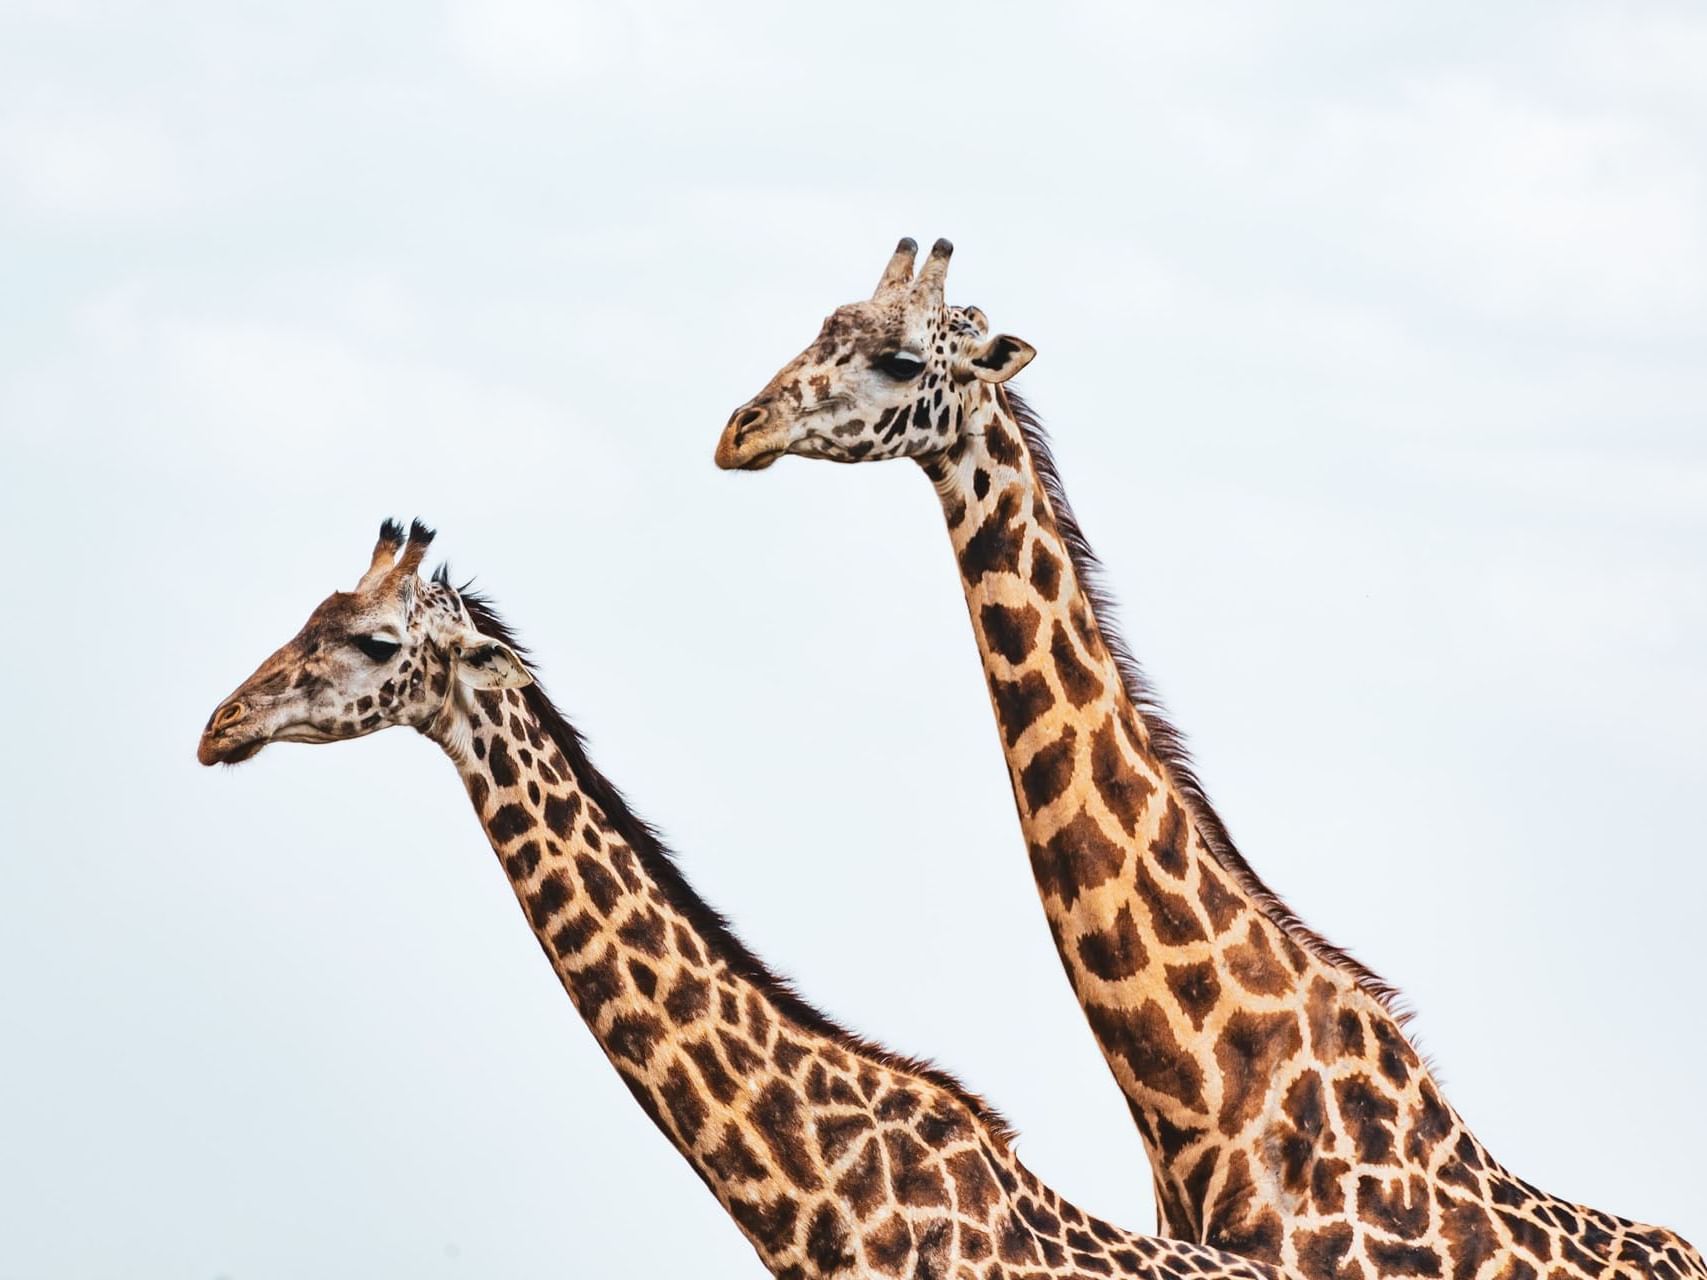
[[1372, 344]]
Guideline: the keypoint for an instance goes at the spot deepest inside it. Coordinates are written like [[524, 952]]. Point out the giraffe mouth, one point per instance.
[[215, 748], [752, 446], [749, 450], [211, 752], [759, 461]]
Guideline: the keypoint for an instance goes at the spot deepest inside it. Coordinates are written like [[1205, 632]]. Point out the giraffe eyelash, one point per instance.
[[376, 647], [903, 366]]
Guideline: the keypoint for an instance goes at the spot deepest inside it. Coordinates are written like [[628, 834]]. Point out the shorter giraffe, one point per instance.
[[834, 1157]]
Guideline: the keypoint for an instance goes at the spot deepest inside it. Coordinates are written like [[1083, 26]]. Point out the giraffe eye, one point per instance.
[[903, 366], [375, 648]]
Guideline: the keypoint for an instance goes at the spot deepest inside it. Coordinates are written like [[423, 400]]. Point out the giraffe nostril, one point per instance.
[[227, 716], [747, 419]]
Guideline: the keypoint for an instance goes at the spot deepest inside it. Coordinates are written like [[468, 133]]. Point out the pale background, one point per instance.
[[1373, 346]]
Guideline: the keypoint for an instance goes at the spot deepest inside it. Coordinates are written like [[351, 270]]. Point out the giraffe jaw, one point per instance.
[[216, 748], [759, 461]]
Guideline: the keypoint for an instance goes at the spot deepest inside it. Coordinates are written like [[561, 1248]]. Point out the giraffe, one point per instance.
[[833, 1156], [1284, 1111]]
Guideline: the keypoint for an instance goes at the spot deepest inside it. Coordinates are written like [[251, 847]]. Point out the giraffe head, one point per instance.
[[890, 377], [391, 652]]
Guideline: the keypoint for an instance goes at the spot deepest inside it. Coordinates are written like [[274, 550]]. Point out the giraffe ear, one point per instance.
[[485, 663], [1001, 357]]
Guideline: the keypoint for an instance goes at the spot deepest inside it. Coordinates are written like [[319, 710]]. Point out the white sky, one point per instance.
[[1372, 346]]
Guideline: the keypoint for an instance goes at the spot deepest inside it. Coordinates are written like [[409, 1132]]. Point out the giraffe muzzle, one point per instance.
[[213, 749], [752, 440]]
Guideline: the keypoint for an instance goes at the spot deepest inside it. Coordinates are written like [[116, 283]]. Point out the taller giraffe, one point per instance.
[[1285, 1113], [834, 1157]]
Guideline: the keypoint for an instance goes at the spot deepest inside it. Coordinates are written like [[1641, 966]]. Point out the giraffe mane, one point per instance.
[[1167, 741], [660, 864]]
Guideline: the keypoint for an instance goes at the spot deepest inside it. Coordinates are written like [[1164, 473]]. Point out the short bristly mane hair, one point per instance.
[[1166, 741], [713, 929]]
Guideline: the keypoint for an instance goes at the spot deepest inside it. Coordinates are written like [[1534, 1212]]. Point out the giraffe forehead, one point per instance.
[[337, 612], [344, 613], [872, 326]]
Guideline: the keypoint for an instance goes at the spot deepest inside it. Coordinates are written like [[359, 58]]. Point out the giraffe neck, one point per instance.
[[1286, 1115], [705, 1050], [833, 1157], [1189, 973]]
